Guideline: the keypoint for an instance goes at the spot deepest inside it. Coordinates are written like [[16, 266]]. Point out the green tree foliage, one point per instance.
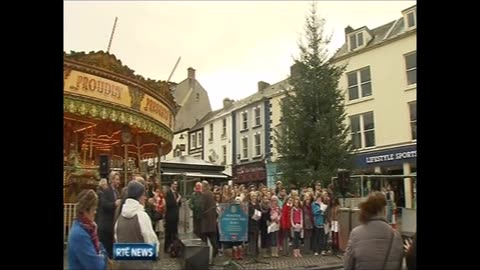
[[312, 141]]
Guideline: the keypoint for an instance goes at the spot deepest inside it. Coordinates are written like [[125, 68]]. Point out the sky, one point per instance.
[[231, 44]]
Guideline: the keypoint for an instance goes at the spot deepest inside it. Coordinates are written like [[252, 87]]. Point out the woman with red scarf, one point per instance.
[[84, 249]]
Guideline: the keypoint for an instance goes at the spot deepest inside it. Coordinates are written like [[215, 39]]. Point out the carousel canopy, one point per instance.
[[108, 109]]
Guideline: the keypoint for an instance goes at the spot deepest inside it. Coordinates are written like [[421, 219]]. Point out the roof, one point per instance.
[[202, 121], [239, 104], [259, 95], [380, 34], [188, 160]]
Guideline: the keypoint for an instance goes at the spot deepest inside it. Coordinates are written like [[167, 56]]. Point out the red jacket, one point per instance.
[[285, 218]]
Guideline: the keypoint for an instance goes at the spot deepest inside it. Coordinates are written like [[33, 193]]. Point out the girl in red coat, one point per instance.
[[285, 225]]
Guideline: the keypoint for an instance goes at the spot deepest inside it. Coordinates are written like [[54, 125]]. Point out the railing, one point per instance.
[[68, 216]]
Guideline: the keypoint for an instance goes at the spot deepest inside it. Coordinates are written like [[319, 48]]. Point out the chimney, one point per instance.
[[227, 102], [348, 30], [191, 73], [295, 70], [262, 85]]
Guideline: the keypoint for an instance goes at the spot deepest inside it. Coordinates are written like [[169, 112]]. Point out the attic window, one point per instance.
[[198, 96], [411, 19], [356, 40]]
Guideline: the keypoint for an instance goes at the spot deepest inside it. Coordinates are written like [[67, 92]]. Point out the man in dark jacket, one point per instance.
[[173, 201], [196, 207], [209, 216], [106, 211]]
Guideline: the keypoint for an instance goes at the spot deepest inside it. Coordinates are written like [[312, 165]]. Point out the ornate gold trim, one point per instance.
[[100, 110]]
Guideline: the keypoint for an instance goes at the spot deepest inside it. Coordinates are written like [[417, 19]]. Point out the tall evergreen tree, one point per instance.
[[312, 141]]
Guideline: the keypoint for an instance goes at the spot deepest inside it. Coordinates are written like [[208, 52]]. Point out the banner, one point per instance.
[[233, 222]]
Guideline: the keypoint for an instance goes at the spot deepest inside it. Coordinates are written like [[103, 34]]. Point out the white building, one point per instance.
[[218, 136], [380, 96]]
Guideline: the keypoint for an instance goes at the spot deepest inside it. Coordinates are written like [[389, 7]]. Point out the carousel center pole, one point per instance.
[[125, 163], [160, 166]]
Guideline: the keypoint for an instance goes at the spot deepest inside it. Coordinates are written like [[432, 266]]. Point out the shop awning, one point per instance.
[[198, 174]]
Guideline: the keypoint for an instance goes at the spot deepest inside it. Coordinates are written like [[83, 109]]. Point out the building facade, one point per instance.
[[193, 106], [251, 133], [273, 174], [380, 96], [218, 137]]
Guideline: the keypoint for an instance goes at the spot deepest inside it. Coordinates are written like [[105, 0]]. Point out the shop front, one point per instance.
[[250, 173], [392, 161]]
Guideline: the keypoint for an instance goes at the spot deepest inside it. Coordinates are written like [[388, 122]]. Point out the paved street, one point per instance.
[[306, 262], [310, 262]]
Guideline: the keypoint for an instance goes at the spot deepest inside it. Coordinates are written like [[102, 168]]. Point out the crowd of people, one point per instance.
[[301, 221]]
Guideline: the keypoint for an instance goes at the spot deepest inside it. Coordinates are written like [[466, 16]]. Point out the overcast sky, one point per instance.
[[231, 44]]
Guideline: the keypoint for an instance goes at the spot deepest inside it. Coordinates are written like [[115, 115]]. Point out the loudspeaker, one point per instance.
[[104, 165], [195, 254]]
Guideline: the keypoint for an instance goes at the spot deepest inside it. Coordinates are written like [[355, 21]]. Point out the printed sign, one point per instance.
[[233, 222]]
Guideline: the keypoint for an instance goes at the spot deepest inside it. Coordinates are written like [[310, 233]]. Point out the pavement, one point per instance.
[[307, 262]]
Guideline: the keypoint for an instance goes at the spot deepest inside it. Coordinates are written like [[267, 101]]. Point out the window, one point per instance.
[[244, 120], [413, 119], [364, 88], [211, 133], [355, 131], [356, 41], [411, 66], [362, 130], [199, 137], [257, 116], [244, 147], [224, 154], [197, 96], [411, 19], [224, 127], [368, 129], [193, 141], [258, 148]]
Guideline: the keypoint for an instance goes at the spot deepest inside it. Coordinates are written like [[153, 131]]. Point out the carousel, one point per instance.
[[112, 120]]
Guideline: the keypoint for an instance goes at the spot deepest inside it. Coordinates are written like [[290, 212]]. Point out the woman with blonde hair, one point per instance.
[[374, 244], [84, 248]]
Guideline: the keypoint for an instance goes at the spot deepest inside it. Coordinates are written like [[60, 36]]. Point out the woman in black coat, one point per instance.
[[173, 202], [253, 225], [263, 224]]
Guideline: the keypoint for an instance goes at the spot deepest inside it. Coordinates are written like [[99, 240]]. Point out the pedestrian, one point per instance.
[[173, 202], [318, 211], [296, 219], [307, 223], [274, 227], [134, 225], [209, 217], [85, 251], [102, 185], [195, 205], [374, 244], [285, 226], [108, 203], [263, 224]]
